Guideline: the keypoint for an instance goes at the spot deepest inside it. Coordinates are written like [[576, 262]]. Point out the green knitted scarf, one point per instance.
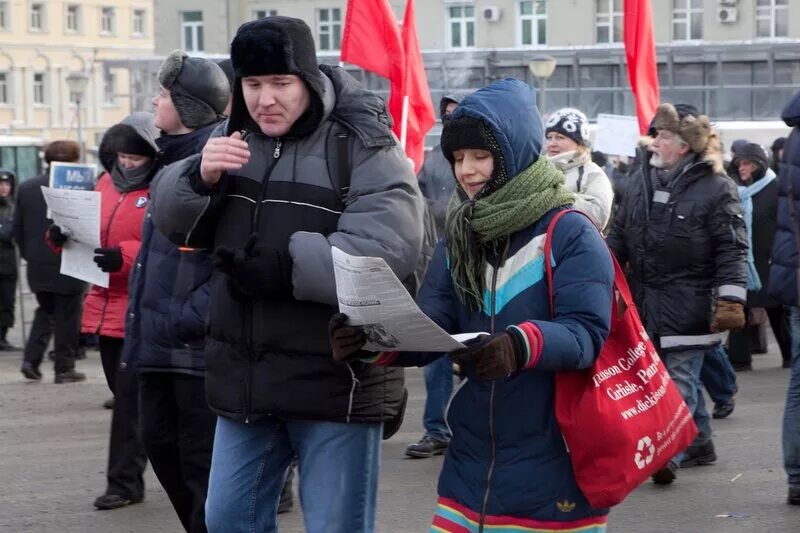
[[475, 226]]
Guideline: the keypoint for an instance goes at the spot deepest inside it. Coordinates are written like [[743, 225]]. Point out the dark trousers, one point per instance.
[[8, 299], [779, 322], [58, 315], [126, 455], [178, 434], [740, 341]]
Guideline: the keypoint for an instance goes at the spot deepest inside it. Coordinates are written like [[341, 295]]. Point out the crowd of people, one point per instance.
[[219, 334]]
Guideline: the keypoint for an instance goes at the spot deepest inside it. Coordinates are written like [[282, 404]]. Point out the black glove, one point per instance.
[[108, 259], [56, 236], [346, 341], [256, 271], [493, 356]]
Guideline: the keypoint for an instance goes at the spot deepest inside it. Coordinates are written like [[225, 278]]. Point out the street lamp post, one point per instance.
[[542, 68], [76, 82]]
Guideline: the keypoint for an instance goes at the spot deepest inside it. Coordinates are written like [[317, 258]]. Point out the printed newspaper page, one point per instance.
[[372, 296], [77, 213]]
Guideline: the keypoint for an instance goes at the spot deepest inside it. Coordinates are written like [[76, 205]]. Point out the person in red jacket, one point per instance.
[[128, 154]]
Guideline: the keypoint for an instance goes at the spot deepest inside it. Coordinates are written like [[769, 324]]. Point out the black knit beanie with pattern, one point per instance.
[[467, 132]]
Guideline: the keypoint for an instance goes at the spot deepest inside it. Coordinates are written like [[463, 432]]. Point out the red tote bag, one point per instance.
[[623, 419]]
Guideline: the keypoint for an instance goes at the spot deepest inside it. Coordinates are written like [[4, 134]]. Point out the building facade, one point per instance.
[[466, 25], [43, 42], [734, 59]]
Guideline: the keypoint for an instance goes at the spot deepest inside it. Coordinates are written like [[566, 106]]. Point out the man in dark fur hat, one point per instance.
[[680, 230], [305, 162]]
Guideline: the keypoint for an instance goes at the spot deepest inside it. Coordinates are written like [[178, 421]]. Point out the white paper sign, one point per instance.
[[77, 213], [372, 297], [616, 135]]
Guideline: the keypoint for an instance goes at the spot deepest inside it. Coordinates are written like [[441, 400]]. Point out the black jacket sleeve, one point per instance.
[[730, 242]]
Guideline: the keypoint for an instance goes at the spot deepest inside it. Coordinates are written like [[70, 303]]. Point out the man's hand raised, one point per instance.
[[222, 154]]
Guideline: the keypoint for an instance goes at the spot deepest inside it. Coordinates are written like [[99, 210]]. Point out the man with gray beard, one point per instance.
[[681, 233]]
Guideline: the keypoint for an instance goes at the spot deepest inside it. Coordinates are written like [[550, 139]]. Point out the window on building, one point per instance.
[[461, 26], [4, 90], [329, 28], [192, 31], [533, 22], [772, 18], [687, 20], [110, 89], [264, 13], [37, 15], [73, 18], [107, 23], [609, 21], [139, 16], [5, 15], [39, 90]]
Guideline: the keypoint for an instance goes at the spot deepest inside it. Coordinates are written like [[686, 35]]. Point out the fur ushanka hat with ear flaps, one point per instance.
[[275, 46], [199, 88], [696, 130]]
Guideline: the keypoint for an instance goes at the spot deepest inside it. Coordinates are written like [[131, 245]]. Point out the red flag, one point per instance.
[[640, 51], [371, 38], [420, 115]]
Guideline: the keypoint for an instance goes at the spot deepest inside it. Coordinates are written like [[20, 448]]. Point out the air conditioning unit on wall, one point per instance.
[[492, 14], [727, 15]]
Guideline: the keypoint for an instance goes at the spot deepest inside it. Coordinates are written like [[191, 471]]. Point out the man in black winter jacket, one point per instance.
[[680, 231], [269, 195], [168, 303], [60, 298]]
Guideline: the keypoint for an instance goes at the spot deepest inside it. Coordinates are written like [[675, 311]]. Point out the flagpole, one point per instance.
[[404, 123]]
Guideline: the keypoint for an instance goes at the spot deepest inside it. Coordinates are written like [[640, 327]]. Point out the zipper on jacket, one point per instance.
[[490, 472], [352, 391], [250, 308], [108, 228]]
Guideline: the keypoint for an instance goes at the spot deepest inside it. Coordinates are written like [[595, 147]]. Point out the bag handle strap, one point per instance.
[[620, 283]]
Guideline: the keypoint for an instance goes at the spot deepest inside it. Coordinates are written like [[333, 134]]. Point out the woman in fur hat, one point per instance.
[[489, 275], [567, 146]]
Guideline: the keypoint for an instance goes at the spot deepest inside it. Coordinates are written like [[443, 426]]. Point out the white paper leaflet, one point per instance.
[[77, 213], [372, 297]]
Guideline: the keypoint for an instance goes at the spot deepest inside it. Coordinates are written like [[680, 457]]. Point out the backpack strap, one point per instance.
[[338, 143], [580, 177]]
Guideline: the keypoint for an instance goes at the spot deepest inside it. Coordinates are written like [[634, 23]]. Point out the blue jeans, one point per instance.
[[684, 368], [439, 387], [337, 465], [791, 415], [718, 376]]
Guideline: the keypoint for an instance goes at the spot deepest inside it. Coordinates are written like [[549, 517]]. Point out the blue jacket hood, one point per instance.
[[791, 114], [508, 107]]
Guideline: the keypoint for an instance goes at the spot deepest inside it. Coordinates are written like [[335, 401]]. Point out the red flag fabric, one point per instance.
[[373, 41], [421, 115], [640, 52], [371, 38]]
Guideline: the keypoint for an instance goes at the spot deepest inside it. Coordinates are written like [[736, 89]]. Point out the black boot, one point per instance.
[[4, 344], [794, 496], [699, 455], [70, 376], [30, 372]]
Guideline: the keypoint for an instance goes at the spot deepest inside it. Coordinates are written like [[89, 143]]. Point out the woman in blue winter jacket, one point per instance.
[[507, 468]]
